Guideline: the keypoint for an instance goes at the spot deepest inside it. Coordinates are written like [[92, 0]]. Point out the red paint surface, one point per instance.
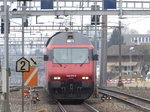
[[69, 46], [66, 71]]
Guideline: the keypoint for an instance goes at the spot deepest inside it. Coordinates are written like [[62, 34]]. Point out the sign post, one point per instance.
[[31, 78], [6, 59], [22, 65]]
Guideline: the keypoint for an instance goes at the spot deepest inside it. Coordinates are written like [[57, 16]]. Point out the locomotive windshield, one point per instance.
[[71, 55]]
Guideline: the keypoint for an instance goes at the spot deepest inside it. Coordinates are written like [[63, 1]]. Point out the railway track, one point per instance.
[[17, 88], [12, 89], [76, 107], [136, 101]]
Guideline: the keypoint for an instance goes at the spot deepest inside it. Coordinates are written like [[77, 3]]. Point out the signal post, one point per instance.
[[22, 65], [31, 78]]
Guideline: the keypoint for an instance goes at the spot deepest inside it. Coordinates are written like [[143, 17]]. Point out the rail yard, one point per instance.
[[47, 104], [74, 56]]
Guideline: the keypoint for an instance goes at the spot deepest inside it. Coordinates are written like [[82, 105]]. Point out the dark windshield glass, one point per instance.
[[71, 55]]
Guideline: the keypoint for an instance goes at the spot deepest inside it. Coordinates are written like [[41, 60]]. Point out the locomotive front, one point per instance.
[[70, 66]]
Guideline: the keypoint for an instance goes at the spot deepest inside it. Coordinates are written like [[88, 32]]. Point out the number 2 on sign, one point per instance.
[[22, 65]]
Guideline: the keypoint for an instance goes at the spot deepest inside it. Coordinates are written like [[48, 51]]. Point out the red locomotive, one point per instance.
[[70, 71]]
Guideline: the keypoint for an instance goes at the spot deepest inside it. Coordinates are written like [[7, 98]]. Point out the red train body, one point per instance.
[[70, 70]]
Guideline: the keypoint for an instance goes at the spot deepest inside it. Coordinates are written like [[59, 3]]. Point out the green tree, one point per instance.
[[115, 38]]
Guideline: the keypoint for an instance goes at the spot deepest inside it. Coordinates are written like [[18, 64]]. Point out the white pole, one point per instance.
[[103, 69], [57, 5], [82, 19], [6, 65], [120, 6], [23, 20]]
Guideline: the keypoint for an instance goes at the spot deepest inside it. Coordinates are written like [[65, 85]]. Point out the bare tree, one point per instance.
[[126, 30]]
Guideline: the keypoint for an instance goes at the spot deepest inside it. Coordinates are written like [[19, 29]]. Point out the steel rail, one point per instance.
[[107, 92], [13, 89], [129, 95], [61, 107], [87, 106], [92, 109]]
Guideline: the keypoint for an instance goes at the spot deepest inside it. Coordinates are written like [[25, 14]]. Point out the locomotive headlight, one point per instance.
[[56, 78], [85, 78], [70, 40]]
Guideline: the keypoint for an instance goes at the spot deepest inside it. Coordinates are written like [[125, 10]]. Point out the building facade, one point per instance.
[[132, 58], [136, 39]]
